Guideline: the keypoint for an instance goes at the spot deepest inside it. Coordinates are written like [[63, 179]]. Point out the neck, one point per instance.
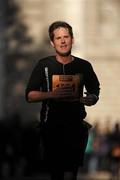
[[64, 59]]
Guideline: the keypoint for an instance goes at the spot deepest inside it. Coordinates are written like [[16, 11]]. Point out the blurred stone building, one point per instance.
[[96, 28]]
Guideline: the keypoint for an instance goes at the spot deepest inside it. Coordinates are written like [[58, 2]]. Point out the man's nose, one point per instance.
[[62, 40]]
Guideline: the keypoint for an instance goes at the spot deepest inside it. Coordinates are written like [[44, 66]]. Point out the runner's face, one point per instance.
[[62, 41]]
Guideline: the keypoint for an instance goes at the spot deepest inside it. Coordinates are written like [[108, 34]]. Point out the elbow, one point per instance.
[[28, 97], [33, 96]]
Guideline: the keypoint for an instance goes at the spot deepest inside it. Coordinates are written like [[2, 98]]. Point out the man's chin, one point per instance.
[[64, 54]]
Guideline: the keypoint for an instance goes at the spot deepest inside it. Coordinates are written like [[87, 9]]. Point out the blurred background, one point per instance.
[[24, 40]]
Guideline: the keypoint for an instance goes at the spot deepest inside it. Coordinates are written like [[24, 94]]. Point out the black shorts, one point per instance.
[[64, 147]]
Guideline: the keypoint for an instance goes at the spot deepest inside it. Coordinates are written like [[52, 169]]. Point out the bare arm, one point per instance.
[[59, 93], [37, 96]]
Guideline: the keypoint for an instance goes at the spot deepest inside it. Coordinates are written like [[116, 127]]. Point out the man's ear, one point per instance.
[[52, 44]]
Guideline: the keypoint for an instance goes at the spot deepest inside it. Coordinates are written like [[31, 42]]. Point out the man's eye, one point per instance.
[[58, 38]]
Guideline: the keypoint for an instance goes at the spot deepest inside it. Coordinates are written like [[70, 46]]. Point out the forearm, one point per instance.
[[37, 96]]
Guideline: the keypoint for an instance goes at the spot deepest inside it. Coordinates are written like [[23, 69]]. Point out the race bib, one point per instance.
[[67, 81]]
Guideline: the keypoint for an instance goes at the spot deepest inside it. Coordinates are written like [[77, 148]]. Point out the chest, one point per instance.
[[66, 71]]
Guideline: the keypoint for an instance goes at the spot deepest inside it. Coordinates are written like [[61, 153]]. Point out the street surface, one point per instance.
[[92, 176]]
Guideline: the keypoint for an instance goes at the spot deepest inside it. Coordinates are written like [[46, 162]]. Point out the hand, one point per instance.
[[63, 92], [89, 99]]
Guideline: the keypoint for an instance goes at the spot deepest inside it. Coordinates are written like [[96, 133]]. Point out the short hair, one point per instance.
[[58, 24]]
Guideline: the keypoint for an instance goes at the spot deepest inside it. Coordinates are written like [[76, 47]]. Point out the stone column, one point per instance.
[[74, 14]]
